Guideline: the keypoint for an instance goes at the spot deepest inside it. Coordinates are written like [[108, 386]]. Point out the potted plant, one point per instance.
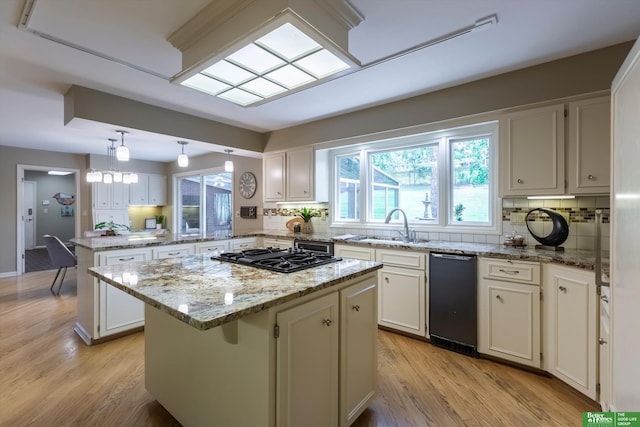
[[160, 220], [110, 227], [306, 214]]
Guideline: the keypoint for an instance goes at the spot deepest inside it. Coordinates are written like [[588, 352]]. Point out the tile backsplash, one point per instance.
[[580, 213]]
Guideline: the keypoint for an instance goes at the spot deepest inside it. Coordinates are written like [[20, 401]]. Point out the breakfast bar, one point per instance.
[[234, 345]]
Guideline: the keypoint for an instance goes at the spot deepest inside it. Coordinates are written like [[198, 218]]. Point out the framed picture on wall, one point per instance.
[[66, 211]]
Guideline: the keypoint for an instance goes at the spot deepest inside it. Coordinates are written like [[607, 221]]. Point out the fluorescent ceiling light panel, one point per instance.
[[61, 173], [290, 76], [240, 96], [255, 59], [288, 42], [205, 84], [263, 87], [226, 71], [322, 64]]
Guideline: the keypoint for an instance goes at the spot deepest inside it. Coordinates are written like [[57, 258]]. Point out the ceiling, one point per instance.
[[35, 73]]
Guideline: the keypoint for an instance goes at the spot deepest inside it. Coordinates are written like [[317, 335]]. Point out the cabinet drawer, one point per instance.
[[124, 256], [363, 254], [241, 244], [512, 271], [212, 247], [172, 251], [401, 258]]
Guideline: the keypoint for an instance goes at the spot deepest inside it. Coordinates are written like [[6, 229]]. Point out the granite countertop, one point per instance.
[[205, 293]]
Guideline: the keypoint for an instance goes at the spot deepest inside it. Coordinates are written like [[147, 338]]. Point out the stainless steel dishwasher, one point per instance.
[[452, 302]]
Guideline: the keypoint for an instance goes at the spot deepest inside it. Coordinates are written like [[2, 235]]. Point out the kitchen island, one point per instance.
[[233, 345]]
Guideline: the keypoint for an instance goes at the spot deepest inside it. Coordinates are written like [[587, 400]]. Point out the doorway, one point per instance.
[[47, 204]]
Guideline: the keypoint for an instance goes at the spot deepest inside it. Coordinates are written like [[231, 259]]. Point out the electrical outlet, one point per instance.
[[517, 218]]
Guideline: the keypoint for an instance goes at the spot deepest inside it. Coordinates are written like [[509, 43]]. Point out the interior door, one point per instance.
[[29, 214]]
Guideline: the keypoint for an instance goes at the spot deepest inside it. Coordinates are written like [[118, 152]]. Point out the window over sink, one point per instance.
[[443, 179]]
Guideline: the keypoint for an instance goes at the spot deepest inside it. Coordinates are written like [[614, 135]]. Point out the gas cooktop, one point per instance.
[[280, 260]]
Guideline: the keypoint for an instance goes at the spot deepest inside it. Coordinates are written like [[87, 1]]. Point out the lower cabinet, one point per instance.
[[356, 252], [509, 310], [570, 326], [402, 294], [120, 311], [327, 358]]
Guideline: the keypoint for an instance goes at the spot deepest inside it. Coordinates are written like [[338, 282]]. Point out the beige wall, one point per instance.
[[241, 164], [10, 158], [589, 72]]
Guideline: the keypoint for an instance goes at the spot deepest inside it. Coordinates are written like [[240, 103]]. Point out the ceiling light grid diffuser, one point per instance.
[[280, 61]]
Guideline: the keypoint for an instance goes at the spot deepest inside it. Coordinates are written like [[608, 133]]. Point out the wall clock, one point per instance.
[[247, 185]]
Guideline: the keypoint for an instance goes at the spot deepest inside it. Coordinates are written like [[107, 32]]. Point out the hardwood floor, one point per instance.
[[49, 377]]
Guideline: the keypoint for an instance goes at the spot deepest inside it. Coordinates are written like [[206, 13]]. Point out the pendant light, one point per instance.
[[183, 159], [228, 165], [122, 152]]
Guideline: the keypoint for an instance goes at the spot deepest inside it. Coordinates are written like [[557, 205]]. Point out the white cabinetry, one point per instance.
[[212, 247], [604, 368], [327, 359], [509, 310], [356, 252], [110, 196], [532, 152], [273, 167], [172, 251], [243, 243], [402, 295], [120, 311], [149, 190], [589, 146], [297, 176], [269, 242], [569, 326]]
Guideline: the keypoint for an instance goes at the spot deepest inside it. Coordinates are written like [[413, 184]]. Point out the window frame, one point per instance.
[[177, 203], [443, 138]]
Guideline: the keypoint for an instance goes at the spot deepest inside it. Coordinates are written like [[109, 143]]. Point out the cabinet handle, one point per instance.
[[278, 193], [602, 341], [173, 253], [591, 177], [509, 271], [604, 298], [356, 308], [520, 181], [562, 288], [126, 259], [326, 322]]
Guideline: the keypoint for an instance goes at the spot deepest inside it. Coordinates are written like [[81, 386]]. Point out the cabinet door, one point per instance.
[[307, 364], [570, 327], [102, 195], [509, 321], [401, 299], [605, 357], [589, 146], [532, 152], [300, 175], [120, 311], [274, 177], [139, 192], [119, 195], [157, 190], [358, 349]]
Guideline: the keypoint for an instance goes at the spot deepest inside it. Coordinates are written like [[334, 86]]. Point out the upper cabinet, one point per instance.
[[149, 190], [110, 196], [532, 152], [589, 146], [295, 176]]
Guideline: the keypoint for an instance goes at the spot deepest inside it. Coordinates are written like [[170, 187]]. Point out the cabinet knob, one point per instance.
[[356, 308], [562, 288], [602, 341], [386, 279], [591, 177], [520, 181], [498, 297], [326, 322]]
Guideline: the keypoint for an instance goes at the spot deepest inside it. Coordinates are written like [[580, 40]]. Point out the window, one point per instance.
[[441, 180], [204, 202]]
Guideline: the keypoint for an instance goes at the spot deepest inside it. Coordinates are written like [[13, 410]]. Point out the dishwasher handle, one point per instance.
[[452, 256]]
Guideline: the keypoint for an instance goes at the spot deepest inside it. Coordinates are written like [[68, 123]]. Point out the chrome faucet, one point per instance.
[[406, 237]]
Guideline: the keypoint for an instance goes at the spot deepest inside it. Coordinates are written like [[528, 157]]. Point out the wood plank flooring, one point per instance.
[[49, 377]]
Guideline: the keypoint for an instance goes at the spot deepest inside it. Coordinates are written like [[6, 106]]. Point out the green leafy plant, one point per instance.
[[458, 211], [160, 219], [306, 214], [111, 227]]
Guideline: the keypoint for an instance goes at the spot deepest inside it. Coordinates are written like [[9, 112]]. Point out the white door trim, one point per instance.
[[20, 217]]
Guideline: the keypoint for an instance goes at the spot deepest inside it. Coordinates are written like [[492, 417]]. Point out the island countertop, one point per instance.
[[206, 293]]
